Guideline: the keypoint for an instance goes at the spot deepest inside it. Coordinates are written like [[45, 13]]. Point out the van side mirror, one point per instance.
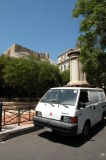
[[81, 105]]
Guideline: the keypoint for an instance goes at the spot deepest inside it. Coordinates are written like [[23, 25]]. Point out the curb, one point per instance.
[[17, 132]]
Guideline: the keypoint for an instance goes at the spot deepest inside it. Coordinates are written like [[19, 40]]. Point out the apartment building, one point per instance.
[[63, 60]]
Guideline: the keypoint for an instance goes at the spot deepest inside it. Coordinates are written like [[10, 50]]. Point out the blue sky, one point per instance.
[[41, 25]]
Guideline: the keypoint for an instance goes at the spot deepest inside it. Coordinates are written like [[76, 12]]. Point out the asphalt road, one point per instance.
[[43, 145]]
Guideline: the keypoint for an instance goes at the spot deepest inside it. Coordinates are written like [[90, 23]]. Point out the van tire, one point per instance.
[[103, 117], [55, 132], [86, 130]]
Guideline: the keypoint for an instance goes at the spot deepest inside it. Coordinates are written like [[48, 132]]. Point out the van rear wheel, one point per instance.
[[103, 118], [86, 130]]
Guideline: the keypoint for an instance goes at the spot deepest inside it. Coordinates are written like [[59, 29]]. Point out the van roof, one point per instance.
[[86, 88]]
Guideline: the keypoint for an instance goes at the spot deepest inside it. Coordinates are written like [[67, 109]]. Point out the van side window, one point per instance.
[[94, 96], [83, 97], [102, 96]]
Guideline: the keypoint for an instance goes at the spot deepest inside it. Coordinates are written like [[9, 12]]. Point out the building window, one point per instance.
[[64, 67], [61, 68]]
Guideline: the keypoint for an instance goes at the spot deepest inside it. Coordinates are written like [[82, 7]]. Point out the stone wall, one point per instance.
[[16, 50]]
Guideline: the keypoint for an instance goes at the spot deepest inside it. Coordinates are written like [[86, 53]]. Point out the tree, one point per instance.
[[65, 76], [92, 40], [1, 79], [27, 77], [49, 76], [20, 75]]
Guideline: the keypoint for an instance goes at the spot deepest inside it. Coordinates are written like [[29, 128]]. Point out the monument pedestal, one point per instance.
[[77, 76], [78, 84]]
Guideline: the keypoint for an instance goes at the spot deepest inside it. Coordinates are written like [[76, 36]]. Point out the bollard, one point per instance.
[[0, 116]]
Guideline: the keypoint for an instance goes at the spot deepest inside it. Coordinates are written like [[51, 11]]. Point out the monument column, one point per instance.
[[77, 77], [70, 71], [77, 69]]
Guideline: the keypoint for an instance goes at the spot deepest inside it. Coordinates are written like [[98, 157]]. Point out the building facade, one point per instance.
[[63, 60], [18, 51]]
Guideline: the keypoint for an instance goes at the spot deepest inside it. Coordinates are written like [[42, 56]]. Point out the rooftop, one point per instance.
[[67, 51]]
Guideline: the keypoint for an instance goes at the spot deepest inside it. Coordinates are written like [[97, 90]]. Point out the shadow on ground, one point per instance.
[[17, 133], [74, 141]]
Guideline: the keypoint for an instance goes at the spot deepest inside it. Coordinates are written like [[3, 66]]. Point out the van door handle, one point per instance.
[[94, 107]]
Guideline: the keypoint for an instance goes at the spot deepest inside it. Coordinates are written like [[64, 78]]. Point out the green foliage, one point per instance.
[[27, 77], [49, 76], [92, 40], [65, 77], [20, 74]]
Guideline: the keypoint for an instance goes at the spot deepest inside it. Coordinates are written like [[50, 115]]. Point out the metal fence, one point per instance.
[[16, 112]]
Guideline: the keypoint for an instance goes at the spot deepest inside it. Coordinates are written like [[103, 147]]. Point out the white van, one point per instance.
[[71, 110]]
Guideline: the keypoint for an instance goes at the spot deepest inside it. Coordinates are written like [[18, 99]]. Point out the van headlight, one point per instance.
[[38, 113], [68, 119]]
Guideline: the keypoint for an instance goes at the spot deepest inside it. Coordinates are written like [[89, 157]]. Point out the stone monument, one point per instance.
[[77, 76]]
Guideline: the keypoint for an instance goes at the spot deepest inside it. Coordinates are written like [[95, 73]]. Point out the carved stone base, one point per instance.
[[78, 84]]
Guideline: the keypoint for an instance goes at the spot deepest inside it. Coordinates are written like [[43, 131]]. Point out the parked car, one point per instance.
[[71, 110]]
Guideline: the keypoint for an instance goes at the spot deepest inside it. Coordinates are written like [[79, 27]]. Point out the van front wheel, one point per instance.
[[86, 130]]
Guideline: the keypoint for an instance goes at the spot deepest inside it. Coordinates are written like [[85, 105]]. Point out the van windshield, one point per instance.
[[60, 96]]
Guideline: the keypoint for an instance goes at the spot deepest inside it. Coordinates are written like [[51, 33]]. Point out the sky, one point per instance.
[[40, 25]]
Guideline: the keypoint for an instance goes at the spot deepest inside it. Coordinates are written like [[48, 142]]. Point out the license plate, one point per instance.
[[48, 129]]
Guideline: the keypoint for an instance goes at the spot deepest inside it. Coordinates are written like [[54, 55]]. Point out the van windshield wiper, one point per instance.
[[64, 105], [50, 103]]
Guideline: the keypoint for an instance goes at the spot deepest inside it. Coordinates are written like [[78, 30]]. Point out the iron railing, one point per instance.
[[16, 113]]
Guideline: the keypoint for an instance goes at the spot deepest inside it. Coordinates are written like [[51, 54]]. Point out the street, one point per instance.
[[44, 145]]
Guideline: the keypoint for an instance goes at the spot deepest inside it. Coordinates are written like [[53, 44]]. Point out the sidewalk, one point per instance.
[[11, 131]]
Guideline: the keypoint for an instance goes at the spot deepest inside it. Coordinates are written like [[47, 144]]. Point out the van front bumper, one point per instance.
[[60, 126]]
